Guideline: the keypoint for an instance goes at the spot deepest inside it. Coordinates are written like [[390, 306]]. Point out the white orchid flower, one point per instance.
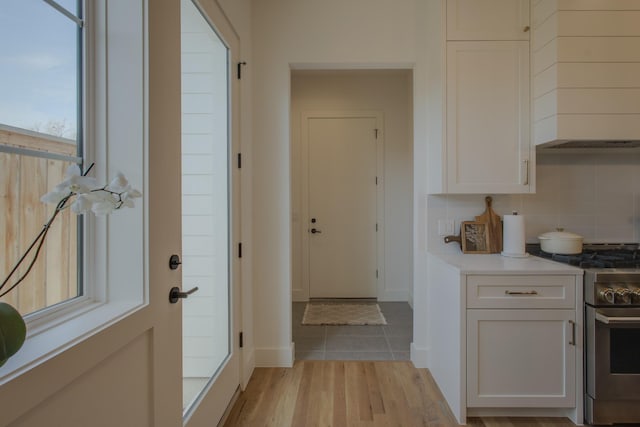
[[119, 184], [89, 196], [55, 196], [78, 183], [74, 182], [127, 196], [104, 205], [82, 204]]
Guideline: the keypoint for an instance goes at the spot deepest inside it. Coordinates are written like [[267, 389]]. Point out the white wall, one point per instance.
[[595, 195], [319, 34], [388, 91]]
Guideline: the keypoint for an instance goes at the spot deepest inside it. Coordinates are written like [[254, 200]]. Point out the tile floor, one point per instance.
[[368, 342]]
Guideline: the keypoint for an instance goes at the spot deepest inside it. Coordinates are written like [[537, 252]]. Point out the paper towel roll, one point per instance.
[[513, 240]]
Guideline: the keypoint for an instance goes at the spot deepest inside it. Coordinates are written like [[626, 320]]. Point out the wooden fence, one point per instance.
[[23, 180]]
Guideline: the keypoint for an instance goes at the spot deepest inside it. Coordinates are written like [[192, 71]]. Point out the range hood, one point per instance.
[[589, 145], [585, 75]]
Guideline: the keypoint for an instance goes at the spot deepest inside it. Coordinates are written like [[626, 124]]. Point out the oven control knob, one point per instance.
[[607, 295], [623, 296]]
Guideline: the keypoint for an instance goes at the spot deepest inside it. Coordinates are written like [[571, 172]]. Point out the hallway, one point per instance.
[[369, 342]]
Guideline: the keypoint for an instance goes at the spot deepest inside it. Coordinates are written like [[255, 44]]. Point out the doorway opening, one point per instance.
[[352, 200]]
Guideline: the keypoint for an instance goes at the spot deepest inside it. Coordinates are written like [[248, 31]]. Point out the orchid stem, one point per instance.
[[39, 240]]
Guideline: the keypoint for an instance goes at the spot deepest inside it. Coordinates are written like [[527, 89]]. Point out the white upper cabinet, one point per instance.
[[487, 117], [487, 20], [479, 112]]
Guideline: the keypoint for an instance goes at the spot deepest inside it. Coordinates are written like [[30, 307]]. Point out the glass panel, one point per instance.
[[54, 277], [625, 350], [205, 202], [39, 105], [38, 68]]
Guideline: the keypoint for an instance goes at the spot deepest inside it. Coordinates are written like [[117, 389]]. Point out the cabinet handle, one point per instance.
[[507, 292], [573, 332], [526, 172], [526, 29]]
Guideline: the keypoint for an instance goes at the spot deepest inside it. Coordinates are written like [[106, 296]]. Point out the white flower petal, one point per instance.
[[102, 208], [54, 197], [82, 184], [73, 170], [133, 193], [82, 204], [119, 183], [128, 203]]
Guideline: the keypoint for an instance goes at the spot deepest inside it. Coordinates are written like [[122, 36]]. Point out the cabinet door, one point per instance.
[[488, 20], [521, 358], [488, 142]]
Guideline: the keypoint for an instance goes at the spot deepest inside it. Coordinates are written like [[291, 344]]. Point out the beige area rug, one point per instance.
[[343, 314]]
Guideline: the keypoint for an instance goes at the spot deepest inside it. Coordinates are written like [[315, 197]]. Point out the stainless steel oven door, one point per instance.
[[613, 353]]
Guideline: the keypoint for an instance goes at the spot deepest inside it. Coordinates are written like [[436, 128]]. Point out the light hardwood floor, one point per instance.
[[352, 394]]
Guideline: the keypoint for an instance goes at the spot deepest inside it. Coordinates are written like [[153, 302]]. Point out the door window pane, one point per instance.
[[40, 75], [205, 203], [38, 68]]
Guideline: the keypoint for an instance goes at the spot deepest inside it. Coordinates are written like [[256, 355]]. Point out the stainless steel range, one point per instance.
[[612, 346], [612, 330]]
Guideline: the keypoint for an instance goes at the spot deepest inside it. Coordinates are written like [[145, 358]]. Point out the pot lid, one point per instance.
[[560, 234]]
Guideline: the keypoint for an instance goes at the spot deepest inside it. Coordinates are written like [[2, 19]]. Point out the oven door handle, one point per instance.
[[616, 320]]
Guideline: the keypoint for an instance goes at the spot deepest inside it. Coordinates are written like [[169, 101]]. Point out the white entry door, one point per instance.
[[342, 220], [210, 359]]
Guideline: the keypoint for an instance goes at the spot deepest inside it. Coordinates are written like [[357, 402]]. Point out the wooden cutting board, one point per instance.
[[494, 225]]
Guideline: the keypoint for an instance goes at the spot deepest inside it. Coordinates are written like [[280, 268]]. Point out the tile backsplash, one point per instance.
[[595, 195]]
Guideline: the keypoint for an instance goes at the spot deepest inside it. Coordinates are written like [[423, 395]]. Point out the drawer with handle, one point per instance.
[[525, 291]]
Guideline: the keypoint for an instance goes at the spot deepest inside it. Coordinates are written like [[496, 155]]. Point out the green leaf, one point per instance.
[[13, 332]]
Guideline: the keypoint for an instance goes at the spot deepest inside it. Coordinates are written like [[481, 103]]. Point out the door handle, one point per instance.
[[573, 332], [532, 293], [175, 294], [315, 230]]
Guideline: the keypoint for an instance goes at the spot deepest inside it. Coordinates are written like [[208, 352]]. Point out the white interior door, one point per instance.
[[211, 362], [342, 206]]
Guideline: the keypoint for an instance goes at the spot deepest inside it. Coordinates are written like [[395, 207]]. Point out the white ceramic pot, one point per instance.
[[560, 242]]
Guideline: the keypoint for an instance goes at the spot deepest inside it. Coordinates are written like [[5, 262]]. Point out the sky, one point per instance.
[[38, 79]]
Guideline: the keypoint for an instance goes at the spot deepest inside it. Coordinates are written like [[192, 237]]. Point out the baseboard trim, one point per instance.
[[419, 356], [299, 295], [275, 357], [248, 365], [394, 296]]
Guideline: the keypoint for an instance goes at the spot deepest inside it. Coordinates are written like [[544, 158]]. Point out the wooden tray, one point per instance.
[[473, 238], [494, 227]]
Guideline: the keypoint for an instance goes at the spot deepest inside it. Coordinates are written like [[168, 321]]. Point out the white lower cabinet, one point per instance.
[[506, 336], [521, 358]]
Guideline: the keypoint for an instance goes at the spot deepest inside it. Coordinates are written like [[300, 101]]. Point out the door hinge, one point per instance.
[[376, 274], [240, 64], [376, 226], [376, 131], [240, 250], [376, 180], [240, 340], [239, 160]]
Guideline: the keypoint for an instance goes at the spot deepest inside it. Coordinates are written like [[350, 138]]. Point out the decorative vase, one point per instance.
[[13, 332]]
